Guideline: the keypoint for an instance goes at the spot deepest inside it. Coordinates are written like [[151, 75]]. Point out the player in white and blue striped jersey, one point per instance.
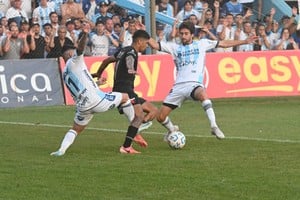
[[90, 99], [189, 57]]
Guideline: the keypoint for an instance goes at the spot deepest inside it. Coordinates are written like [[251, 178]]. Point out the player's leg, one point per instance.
[[126, 107], [150, 112], [164, 119], [132, 130], [80, 122], [174, 99], [200, 94]]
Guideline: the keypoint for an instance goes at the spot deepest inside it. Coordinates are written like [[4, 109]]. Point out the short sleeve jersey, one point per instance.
[[189, 59], [125, 69], [81, 85]]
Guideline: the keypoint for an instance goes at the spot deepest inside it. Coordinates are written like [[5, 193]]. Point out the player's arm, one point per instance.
[[103, 66], [153, 44], [82, 40], [232, 43]]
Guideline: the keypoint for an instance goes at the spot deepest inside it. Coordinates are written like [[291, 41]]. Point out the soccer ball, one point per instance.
[[176, 140]]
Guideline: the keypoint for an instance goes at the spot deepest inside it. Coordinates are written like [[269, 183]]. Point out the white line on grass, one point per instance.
[[154, 133]]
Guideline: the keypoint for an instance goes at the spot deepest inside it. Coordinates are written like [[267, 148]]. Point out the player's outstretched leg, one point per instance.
[[215, 130], [66, 143]]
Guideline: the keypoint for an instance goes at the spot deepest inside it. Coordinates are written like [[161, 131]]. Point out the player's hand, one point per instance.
[[101, 81]]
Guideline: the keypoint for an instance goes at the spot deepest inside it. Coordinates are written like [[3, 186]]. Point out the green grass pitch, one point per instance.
[[258, 160]]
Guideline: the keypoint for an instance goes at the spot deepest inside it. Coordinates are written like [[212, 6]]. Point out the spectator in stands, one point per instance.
[[78, 26], [54, 21], [49, 35], [56, 45], [24, 27], [198, 5], [264, 40], [41, 14], [165, 7], [160, 36], [287, 21], [4, 6], [28, 7], [274, 34], [89, 8], [99, 41], [56, 5], [71, 10], [4, 23], [209, 30], [233, 7], [208, 14], [129, 27], [118, 29], [179, 6], [16, 13], [286, 42], [245, 33], [116, 19], [36, 43], [226, 31], [296, 37], [187, 11], [102, 12], [193, 18], [71, 33], [14, 45], [113, 38]]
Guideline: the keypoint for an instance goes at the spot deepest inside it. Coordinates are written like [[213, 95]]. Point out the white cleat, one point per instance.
[[57, 153], [217, 132], [176, 128], [144, 126]]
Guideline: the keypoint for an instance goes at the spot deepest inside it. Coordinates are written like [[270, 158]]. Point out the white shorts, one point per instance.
[[181, 92], [110, 101]]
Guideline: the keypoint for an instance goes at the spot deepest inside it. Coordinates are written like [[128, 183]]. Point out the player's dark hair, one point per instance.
[[187, 25], [140, 34]]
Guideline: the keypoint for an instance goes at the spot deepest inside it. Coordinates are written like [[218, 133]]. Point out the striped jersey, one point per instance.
[[81, 85], [189, 59]]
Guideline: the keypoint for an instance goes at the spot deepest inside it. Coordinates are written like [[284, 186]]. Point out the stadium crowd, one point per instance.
[[40, 29]]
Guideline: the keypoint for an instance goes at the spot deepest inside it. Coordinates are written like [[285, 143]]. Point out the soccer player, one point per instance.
[[189, 58], [125, 70], [90, 99]]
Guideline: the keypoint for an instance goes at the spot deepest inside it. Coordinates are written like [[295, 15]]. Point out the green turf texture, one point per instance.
[[258, 160]]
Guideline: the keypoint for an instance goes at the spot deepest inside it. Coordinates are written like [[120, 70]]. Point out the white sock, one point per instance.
[[128, 110], [207, 106], [168, 124], [68, 140]]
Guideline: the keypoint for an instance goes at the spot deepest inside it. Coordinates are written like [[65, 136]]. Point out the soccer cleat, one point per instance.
[[176, 128], [217, 132], [144, 126], [140, 140], [57, 153], [128, 150]]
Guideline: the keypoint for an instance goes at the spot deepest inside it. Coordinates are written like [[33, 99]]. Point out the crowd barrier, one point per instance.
[[37, 82]]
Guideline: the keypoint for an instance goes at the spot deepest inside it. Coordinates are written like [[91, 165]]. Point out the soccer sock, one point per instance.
[[168, 124], [207, 106], [128, 110], [68, 140], [131, 133]]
